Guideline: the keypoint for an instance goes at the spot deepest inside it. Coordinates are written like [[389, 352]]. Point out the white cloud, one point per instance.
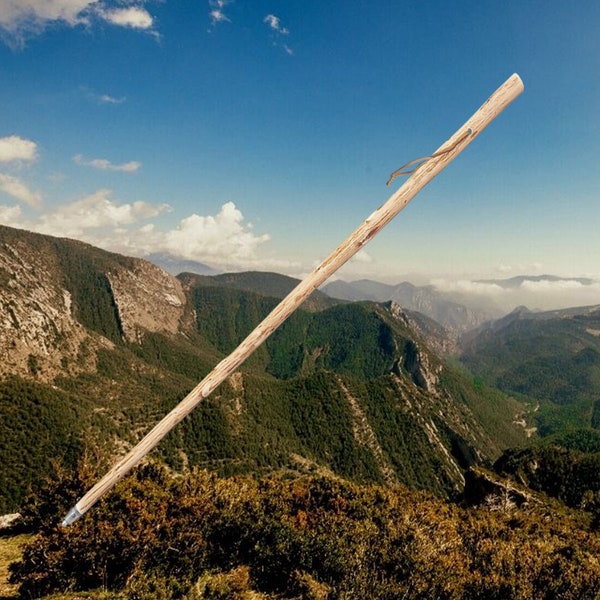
[[225, 239], [108, 99], [15, 148], [14, 187], [362, 257], [18, 13], [531, 268], [105, 165], [96, 211], [548, 286], [544, 294], [275, 24], [217, 14], [10, 215], [20, 19], [134, 17], [102, 98], [465, 286]]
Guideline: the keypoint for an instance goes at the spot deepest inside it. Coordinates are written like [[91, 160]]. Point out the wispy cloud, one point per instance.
[[105, 165], [22, 19], [217, 11], [275, 24], [279, 31], [97, 98], [107, 99], [14, 148], [16, 188]]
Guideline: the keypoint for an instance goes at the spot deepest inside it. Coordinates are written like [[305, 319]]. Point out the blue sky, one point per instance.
[[257, 134]]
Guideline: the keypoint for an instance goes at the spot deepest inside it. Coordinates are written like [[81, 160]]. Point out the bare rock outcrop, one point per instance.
[[147, 299]]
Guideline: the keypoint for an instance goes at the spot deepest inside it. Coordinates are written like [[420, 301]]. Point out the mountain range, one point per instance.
[[290, 480], [461, 306], [98, 345], [441, 307]]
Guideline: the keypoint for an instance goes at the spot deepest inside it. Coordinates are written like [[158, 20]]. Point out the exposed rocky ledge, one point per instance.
[[485, 488], [11, 524]]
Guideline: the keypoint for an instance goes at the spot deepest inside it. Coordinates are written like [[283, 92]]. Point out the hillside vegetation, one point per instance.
[[553, 359], [200, 536], [322, 469], [102, 344]]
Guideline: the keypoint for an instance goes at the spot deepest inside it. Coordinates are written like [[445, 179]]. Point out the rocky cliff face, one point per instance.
[[44, 323], [38, 333], [147, 299]]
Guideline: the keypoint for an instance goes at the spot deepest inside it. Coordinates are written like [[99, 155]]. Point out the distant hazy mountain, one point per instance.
[[176, 265], [454, 316], [93, 342]]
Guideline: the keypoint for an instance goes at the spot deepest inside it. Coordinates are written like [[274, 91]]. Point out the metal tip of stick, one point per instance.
[[72, 516]]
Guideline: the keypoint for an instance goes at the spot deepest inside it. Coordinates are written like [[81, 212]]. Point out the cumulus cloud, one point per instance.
[[14, 148], [225, 240], [20, 19], [105, 165], [217, 13], [94, 212], [222, 237], [15, 187]]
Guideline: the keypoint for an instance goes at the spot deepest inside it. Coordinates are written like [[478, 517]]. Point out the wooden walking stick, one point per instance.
[[420, 176]]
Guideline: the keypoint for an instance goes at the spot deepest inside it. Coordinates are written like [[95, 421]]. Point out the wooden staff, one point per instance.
[[420, 177]]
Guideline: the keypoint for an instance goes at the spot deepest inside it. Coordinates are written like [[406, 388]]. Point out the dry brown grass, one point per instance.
[[10, 550]]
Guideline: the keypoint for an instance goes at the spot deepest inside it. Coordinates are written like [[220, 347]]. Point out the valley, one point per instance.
[[354, 398]]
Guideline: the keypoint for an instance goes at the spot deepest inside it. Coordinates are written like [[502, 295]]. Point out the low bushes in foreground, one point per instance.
[[198, 536]]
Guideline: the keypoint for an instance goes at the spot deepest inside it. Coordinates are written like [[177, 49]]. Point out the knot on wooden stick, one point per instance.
[[402, 171]]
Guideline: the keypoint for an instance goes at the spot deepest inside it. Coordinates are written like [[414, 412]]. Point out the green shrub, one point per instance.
[[200, 536]]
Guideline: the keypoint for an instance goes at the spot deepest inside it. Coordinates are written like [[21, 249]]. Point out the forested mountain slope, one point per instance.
[[101, 345], [552, 357]]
